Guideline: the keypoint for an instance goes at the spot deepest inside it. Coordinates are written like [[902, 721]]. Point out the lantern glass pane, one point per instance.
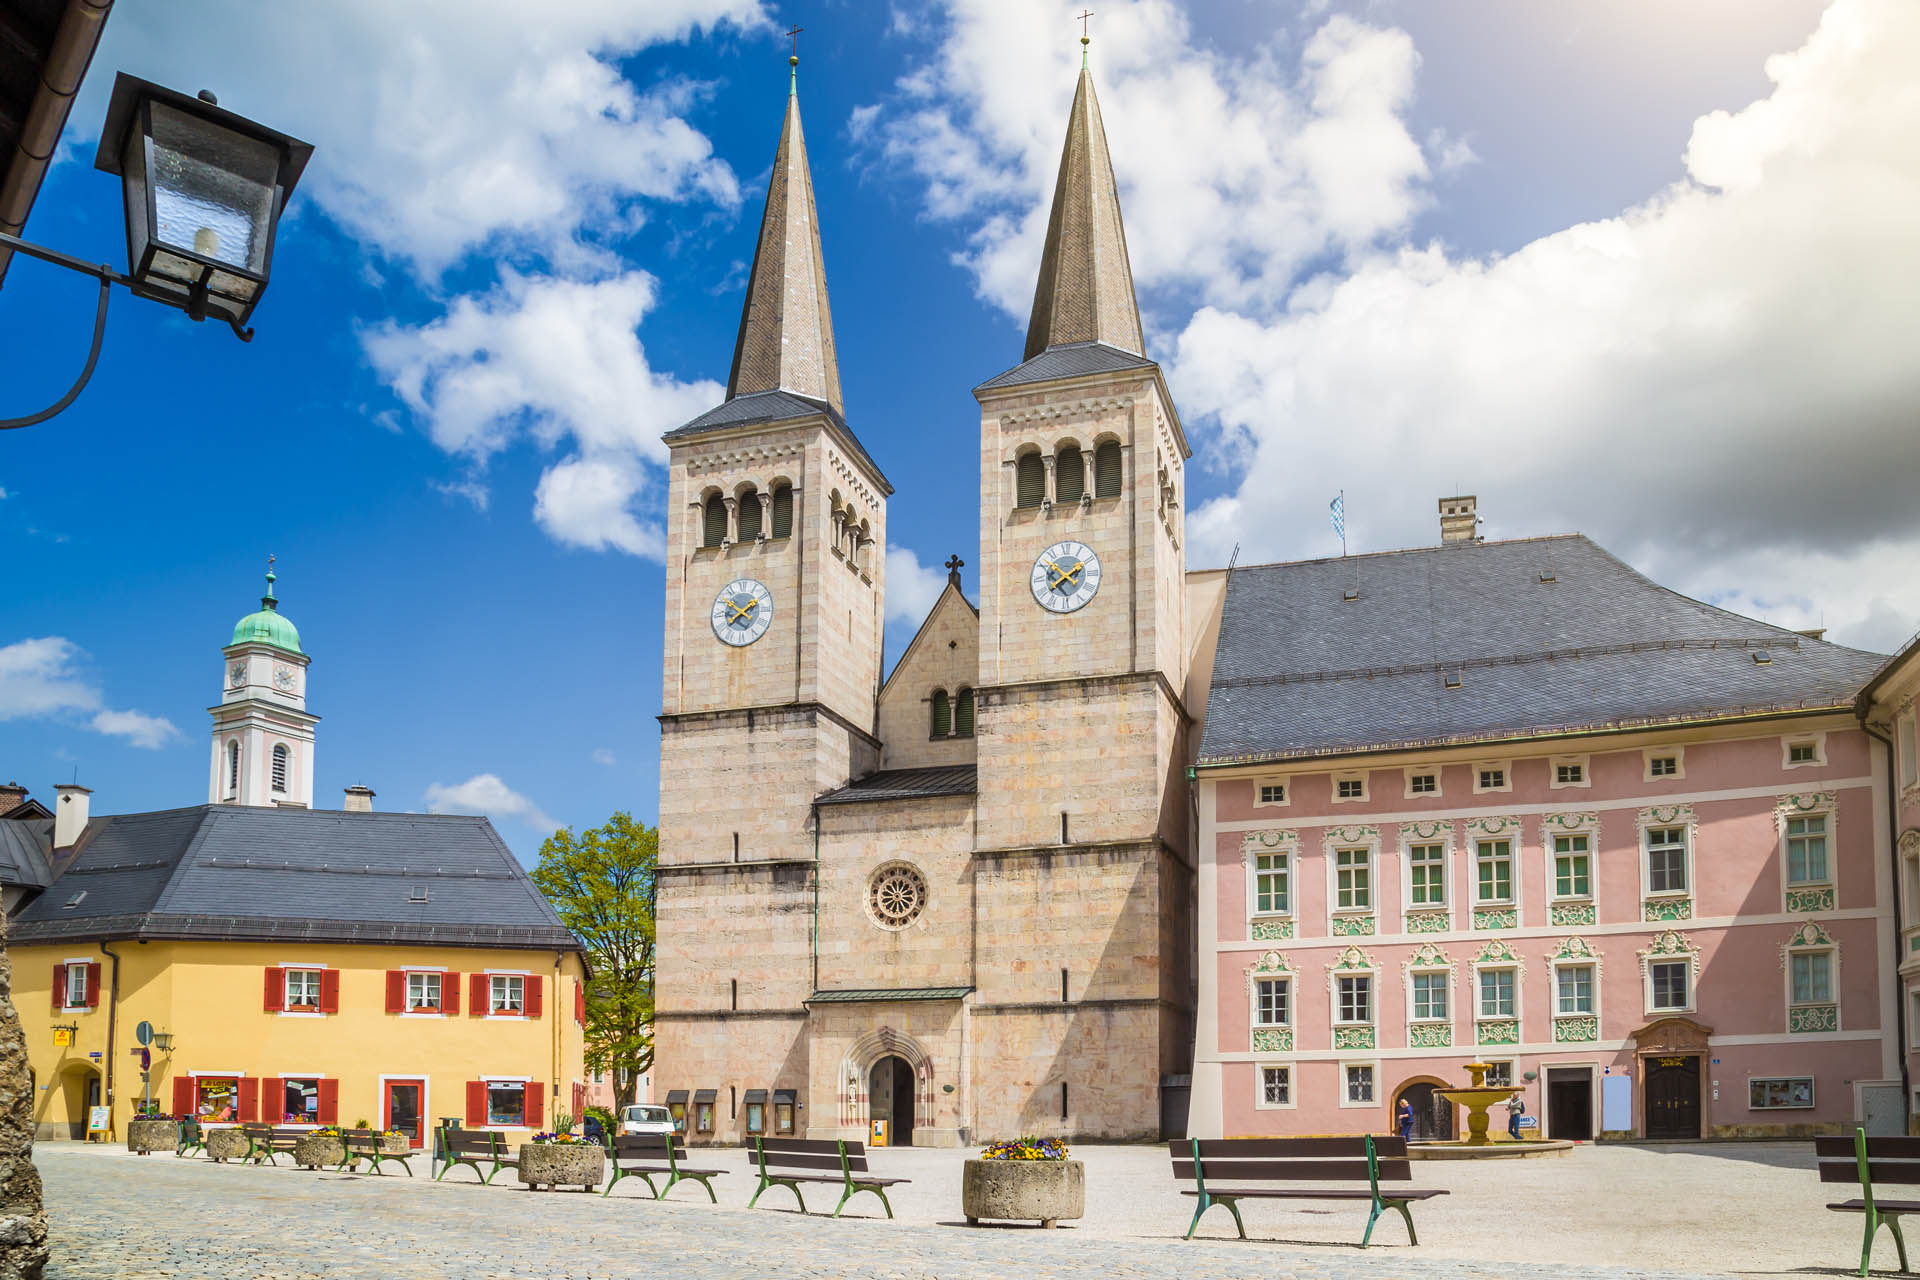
[[133, 181], [213, 189]]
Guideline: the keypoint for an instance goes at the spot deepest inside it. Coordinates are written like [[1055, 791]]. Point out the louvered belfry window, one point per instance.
[[233, 768], [1030, 476], [1106, 470], [782, 512], [749, 516], [713, 529], [942, 714], [963, 715], [279, 768], [1069, 475]]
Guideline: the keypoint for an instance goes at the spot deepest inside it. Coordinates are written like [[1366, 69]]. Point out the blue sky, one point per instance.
[[1607, 266]]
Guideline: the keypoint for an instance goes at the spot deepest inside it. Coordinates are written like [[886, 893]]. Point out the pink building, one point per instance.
[[1888, 708], [1514, 803]]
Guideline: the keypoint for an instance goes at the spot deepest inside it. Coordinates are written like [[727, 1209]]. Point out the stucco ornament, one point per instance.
[[1583, 822], [1425, 832], [1500, 952], [1671, 944], [1499, 826], [1429, 956]]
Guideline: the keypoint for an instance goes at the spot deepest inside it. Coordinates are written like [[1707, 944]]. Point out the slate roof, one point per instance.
[[1543, 635], [231, 872], [26, 852], [773, 406], [1071, 360], [907, 784]]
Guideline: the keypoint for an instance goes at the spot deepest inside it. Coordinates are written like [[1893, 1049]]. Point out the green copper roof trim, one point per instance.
[[894, 993], [793, 76], [268, 626]]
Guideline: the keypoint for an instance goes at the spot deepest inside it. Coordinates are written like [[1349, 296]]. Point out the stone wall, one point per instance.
[[23, 1223], [945, 655]]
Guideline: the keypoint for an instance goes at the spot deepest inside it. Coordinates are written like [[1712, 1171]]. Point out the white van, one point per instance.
[[645, 1118]]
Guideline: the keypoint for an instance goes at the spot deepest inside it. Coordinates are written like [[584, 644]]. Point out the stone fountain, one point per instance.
[[1476, 1099]]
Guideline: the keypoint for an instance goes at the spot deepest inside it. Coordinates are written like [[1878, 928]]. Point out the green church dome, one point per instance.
[[269, 625]]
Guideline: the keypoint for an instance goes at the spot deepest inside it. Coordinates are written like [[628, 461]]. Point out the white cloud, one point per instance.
[[39, 679], [1234, 170], [471, 490], [1717, 384], [558, 360], [602, 756], [442, 126], [912, 588], [485, 793]]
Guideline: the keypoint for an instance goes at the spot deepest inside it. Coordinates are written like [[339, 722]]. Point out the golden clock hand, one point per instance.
[[738, 612]]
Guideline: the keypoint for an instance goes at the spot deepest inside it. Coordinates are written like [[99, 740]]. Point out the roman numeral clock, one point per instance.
[[1066, 576], [742, 612]]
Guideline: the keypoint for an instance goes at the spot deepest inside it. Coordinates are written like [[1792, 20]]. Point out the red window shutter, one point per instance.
[[273, 1100], [579, 1099], [536, 1104], [59, 987], [396, 991], [535, 985], [182, 1096], [476, 1102], [477, 995], [449, 993], [329, 1102], [580, 1003], [249, 1100], [329, 991], [276, 990], [93, 985]]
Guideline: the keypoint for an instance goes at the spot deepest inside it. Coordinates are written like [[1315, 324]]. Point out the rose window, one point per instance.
[[896, 896]]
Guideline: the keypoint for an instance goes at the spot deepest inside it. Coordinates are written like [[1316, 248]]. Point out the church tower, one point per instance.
[[1081, 727], [775, 569], [262, 731]]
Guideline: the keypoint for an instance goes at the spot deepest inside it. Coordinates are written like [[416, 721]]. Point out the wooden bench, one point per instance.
[[265, 1141], [1226, 1171], [192, 1137], [788, 1162], [364, 1144], [642, 1155], [1864, 1161], [453, 1146]]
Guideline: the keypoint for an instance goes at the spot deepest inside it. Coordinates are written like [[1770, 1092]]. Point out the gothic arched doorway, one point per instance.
[[890, 1098], [1432, 1114]]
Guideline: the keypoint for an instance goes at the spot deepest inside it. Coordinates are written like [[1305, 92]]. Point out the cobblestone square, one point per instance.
[[1600, 1213]]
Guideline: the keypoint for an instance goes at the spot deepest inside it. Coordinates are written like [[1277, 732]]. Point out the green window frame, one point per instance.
[[1496, 993], [1427, 875], [1353, 879], [1572, 867], [1271, 886], [1807, 850], [1493, 864]]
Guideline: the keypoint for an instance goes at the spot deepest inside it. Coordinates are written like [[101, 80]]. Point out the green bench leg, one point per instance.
[[766, 1182], [854, 1189], [1207, 1202], [1874, 1221], [1380, 1207], [706, 1184]]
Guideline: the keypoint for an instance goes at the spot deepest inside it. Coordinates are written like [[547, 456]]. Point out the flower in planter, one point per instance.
[[552, 1138], [1026, 1148]]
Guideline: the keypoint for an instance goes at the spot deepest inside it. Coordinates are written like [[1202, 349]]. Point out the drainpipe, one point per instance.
[[74, 41], [816, 899], [113, 1009], [558, 1006], [1899, 916]]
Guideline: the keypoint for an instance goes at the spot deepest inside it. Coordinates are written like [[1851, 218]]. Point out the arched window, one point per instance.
[[713, 525], [942, 714], [1106, 470], [782, 512], [233, 768], [280, 767], [1030, 481], [1069, 474], [749, 515], [963, 715]]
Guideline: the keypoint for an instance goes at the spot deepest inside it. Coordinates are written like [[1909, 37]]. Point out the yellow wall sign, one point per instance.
[[62, 1038]]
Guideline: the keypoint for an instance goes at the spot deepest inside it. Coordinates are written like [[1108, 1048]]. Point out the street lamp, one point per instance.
[[204, 191]]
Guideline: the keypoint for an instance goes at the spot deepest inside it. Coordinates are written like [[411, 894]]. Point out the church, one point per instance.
[[1122, 850], [958, 900]]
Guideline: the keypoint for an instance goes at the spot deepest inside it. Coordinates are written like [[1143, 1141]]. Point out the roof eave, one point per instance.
[[983, 393], [821, 418]]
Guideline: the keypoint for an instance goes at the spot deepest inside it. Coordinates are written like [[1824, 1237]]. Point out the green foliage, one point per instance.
[[608, 1125], [602, 882], [563, 1122]]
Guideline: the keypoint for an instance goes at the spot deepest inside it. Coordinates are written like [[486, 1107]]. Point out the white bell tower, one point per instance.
[[262, 731]]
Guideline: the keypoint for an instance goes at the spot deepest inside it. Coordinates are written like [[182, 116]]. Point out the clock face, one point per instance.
[[237, 674], [742, 612], [283, 678], [1066, 576]]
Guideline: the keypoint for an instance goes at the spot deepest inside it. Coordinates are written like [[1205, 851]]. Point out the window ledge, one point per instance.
[[301, 1013], [423, 1013]]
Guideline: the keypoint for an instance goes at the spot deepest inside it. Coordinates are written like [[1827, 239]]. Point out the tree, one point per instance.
[[603, 884]]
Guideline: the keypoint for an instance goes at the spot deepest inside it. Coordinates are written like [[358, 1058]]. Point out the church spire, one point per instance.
[[1085, 292], [786, 329]]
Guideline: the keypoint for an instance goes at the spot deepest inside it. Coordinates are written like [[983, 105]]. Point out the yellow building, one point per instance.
[[292, 965]]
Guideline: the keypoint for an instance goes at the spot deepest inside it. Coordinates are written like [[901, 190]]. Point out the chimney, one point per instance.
[[1458, 523], [70, 814], [359, 799], [12, 796]]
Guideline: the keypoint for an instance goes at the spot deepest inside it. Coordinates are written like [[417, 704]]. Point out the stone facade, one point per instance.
[[23, 1222]]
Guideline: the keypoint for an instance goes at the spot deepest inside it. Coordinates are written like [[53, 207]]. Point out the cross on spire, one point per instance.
[[793, 34], [1085, 40], [954, 564]]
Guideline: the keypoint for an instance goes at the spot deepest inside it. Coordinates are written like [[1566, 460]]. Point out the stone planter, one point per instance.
[[394, 1144], [145, 1136], [562, 1164], [225, 1144], [1043, 1191], [318, 1150]]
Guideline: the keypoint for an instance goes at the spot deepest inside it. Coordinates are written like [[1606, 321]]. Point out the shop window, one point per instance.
[[703, 1111], [783, 1106], [1780, 1093], [756, 1112], [216, 1099], [299, 1102], [507, 1103]]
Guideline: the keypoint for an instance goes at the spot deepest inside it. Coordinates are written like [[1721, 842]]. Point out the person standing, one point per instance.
[[1403, 1120], [1515, 1109]]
